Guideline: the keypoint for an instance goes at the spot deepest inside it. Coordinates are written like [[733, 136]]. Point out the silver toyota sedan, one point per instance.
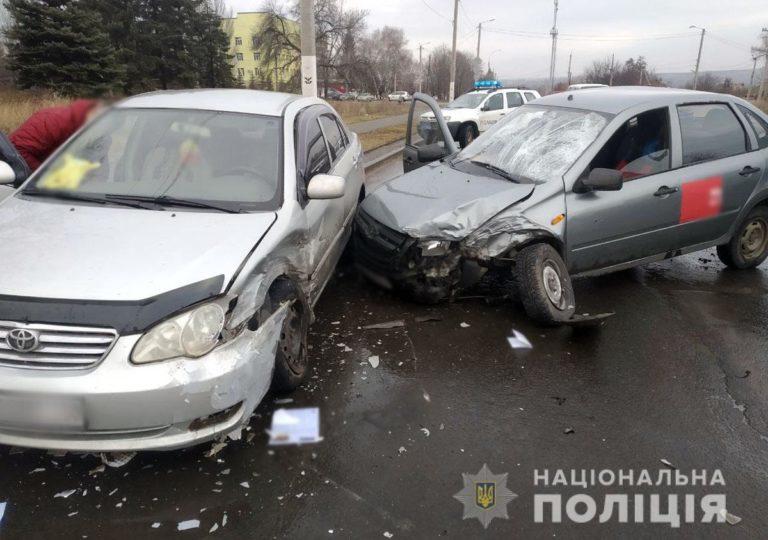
[[575, 183], [160, 270]]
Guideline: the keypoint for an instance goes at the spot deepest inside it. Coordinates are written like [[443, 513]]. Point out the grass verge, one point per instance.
[[16, 106], [380, 137], [354, 112]]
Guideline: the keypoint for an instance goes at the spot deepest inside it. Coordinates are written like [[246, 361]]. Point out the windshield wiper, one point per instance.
[[165, 200], [497, 170], [72, 196]]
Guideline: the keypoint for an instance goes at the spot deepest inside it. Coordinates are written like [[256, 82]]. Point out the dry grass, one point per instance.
[[763, 105], [354, 112], [380, 137], [16, 106]]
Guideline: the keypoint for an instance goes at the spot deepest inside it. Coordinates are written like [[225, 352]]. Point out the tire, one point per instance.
[[467, 134], [749, 246], [544, 285], [291, 362]]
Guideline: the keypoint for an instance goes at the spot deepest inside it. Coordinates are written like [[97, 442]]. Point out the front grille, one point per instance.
[[380, 247], [59, 347]]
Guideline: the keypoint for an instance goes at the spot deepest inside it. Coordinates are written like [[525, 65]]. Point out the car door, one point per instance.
[[491, 111], [427, 137], [514, 99], [607, 228], [719, 170], [324, 217]]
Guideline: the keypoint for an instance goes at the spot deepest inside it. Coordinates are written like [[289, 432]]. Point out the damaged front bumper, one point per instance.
[[394, 260], [119, 406]]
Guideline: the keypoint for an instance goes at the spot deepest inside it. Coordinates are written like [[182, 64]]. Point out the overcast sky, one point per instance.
[[590, 29]]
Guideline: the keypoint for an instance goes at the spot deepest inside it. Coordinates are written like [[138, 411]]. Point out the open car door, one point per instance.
[[427, 137]]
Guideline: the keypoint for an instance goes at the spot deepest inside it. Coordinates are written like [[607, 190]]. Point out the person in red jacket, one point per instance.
[[47, 129]]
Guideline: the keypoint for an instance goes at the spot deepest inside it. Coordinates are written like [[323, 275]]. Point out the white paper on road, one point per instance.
[[295, 426], [519, 341]]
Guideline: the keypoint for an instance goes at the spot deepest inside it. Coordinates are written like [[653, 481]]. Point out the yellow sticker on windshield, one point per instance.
[[69, 175]]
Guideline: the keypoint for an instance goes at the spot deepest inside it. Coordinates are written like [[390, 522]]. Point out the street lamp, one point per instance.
[[489, 58], [479, 32], [698, 58]]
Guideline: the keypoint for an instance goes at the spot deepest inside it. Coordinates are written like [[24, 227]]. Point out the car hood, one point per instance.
[[438, 201], [73, 251]]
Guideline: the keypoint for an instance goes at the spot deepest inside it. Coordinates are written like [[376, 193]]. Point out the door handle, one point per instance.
[[746, 171], [664, 191]]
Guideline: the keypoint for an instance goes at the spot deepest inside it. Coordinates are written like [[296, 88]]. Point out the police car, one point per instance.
[[472, 113]]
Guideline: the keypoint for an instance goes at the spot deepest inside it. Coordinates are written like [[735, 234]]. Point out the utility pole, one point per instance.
[[762, 92], [570, 57], [308, 54], [479, 33], [452, 84], [610, 78], [553, 58], [752, 76], [698, 58], [421, 69]]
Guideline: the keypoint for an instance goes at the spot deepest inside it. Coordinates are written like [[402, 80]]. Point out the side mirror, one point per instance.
[[326, 186], [484, 108], [7, 175], [604, 180]]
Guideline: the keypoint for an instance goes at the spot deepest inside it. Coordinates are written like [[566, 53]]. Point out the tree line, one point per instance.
[[101, 47]]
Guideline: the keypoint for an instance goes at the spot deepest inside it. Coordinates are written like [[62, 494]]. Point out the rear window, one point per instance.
[[759, 126], [710, 131]]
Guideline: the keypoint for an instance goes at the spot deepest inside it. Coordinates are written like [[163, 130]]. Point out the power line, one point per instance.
[[433, 10]]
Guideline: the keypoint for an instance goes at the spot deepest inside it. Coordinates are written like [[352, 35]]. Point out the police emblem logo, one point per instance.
[[485, 496]]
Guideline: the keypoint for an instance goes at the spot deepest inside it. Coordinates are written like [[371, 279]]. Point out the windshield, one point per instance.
[[535, 143], [467, 101], [204, 156]]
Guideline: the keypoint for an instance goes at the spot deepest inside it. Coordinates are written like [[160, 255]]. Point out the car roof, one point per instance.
[[225, 100], [615, 99]]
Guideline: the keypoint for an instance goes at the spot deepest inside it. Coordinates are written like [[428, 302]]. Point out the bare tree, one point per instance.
[[336, 29]]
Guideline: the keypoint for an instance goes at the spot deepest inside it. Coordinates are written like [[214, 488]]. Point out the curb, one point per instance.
[[385, 157]]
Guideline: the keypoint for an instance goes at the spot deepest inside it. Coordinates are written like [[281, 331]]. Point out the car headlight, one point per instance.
[[191, 334], [434, 248]]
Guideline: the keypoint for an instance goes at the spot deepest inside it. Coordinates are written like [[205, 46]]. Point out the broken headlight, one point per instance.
[[191, 334], [434, 248]]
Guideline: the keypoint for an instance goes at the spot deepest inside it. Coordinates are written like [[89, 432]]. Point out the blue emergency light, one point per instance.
[[481, 85]]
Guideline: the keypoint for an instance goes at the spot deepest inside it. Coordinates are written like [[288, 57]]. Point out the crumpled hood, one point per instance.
[[437, 201], [50, 249]]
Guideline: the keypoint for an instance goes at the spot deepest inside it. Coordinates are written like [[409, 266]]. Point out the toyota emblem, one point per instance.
[[22, 340]]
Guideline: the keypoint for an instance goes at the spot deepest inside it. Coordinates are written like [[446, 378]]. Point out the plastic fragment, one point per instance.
[[37, 470], [518, 341], [246, 485], [214, 528], [65, 494], [117, 459], [569, 431], [374, 361], [401, 450], [667, 463], [215, 449], [388, 534], [464, 325], [385, 325], [729, 518], [428, 318], [2, 510], [98, 469], [156, 525], [189, 524], [425, 431]]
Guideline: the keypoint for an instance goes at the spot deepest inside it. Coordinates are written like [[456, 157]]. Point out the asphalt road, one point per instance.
[[678, 373]]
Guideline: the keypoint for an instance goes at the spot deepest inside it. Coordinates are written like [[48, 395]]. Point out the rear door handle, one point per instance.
[[746, 171], [664, 191]]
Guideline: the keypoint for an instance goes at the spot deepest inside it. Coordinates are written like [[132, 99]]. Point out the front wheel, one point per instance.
[[749, 245], [467, 134], [544, 285], [291, 356]]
